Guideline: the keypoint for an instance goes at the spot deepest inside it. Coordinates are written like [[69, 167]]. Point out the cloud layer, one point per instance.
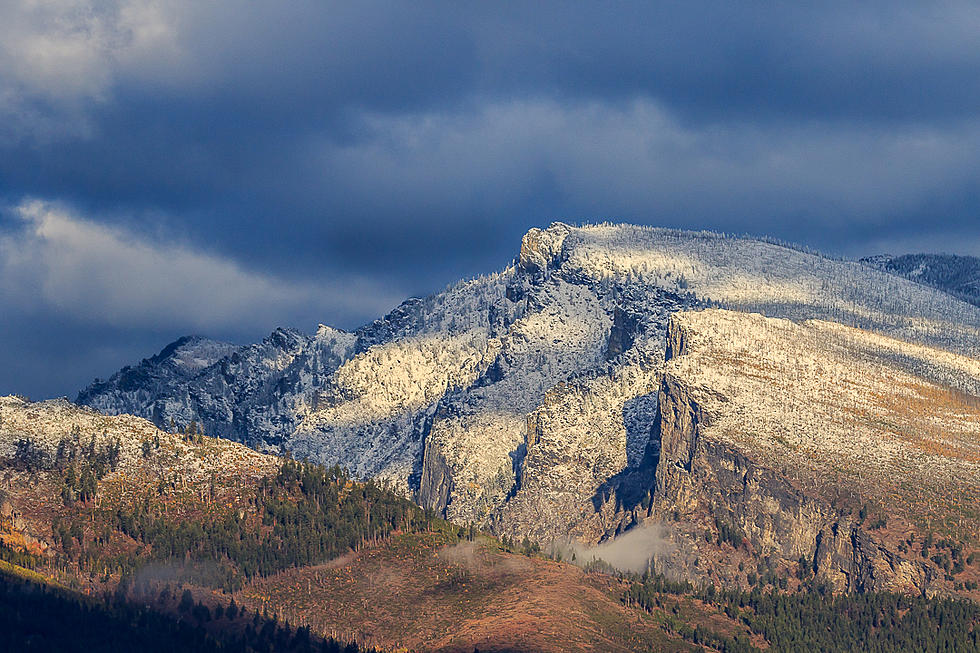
[[309, 155], [90, 272]]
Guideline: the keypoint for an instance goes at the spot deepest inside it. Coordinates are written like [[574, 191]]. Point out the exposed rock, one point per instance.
[[541, 249], [623, 333], [784, 431]]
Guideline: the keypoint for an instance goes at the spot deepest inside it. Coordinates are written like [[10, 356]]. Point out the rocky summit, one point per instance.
[[534, 400]]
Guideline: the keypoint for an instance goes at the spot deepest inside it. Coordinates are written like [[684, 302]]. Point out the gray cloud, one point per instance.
[[65, 264]]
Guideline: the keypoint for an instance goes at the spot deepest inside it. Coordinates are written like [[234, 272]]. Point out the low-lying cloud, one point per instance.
[[632, 551]]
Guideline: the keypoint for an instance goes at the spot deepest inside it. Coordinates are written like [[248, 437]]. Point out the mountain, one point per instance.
[[787, 444], [957, 275], [526, 401], [250, 394]]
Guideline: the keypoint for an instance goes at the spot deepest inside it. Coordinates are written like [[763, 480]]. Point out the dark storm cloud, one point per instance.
[[325, 159]]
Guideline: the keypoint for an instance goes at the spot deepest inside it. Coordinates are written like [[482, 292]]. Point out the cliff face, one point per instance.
[[525, 400], [738, 453], [705, 481]]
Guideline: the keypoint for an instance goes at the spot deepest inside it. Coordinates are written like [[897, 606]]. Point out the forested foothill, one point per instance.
[[815, 619]]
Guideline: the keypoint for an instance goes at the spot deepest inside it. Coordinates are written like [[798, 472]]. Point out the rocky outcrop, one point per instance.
[[623, 333], [585, 432], [709, 482], [436, 483], [541, 249], [718, 467]]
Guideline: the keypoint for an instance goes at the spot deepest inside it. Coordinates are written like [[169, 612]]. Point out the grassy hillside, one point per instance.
[[424, 592]]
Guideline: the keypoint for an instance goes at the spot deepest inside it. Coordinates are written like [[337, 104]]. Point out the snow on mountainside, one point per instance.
[[157, 376], [515, 398], [794, 433], [235, 392], [49, 425], [957, 275], [823, 397]]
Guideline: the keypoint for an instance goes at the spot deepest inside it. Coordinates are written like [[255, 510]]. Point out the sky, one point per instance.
[[223, 168]]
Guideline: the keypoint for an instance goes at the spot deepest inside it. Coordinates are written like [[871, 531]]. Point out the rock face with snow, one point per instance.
[[819, 441], [253, 394], [526, 400]]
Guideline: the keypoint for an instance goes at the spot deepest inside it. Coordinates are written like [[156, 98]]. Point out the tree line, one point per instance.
[[305, 514], [815, 619], [37, 617]]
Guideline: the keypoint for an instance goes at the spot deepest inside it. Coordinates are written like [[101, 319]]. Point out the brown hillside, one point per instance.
[[418, 594]]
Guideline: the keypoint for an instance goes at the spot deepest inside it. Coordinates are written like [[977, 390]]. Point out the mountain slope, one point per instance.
[[103, 501], [141, 554], [817, 442], [465, 596], [957, 275], [244, 393], [520, 399]]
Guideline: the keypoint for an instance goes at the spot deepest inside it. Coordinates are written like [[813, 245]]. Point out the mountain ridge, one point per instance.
[[535, 383]]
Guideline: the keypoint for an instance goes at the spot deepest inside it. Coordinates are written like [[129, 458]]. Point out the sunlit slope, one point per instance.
[[844, 409], [57, 430], [418, 593], [843, 446]]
